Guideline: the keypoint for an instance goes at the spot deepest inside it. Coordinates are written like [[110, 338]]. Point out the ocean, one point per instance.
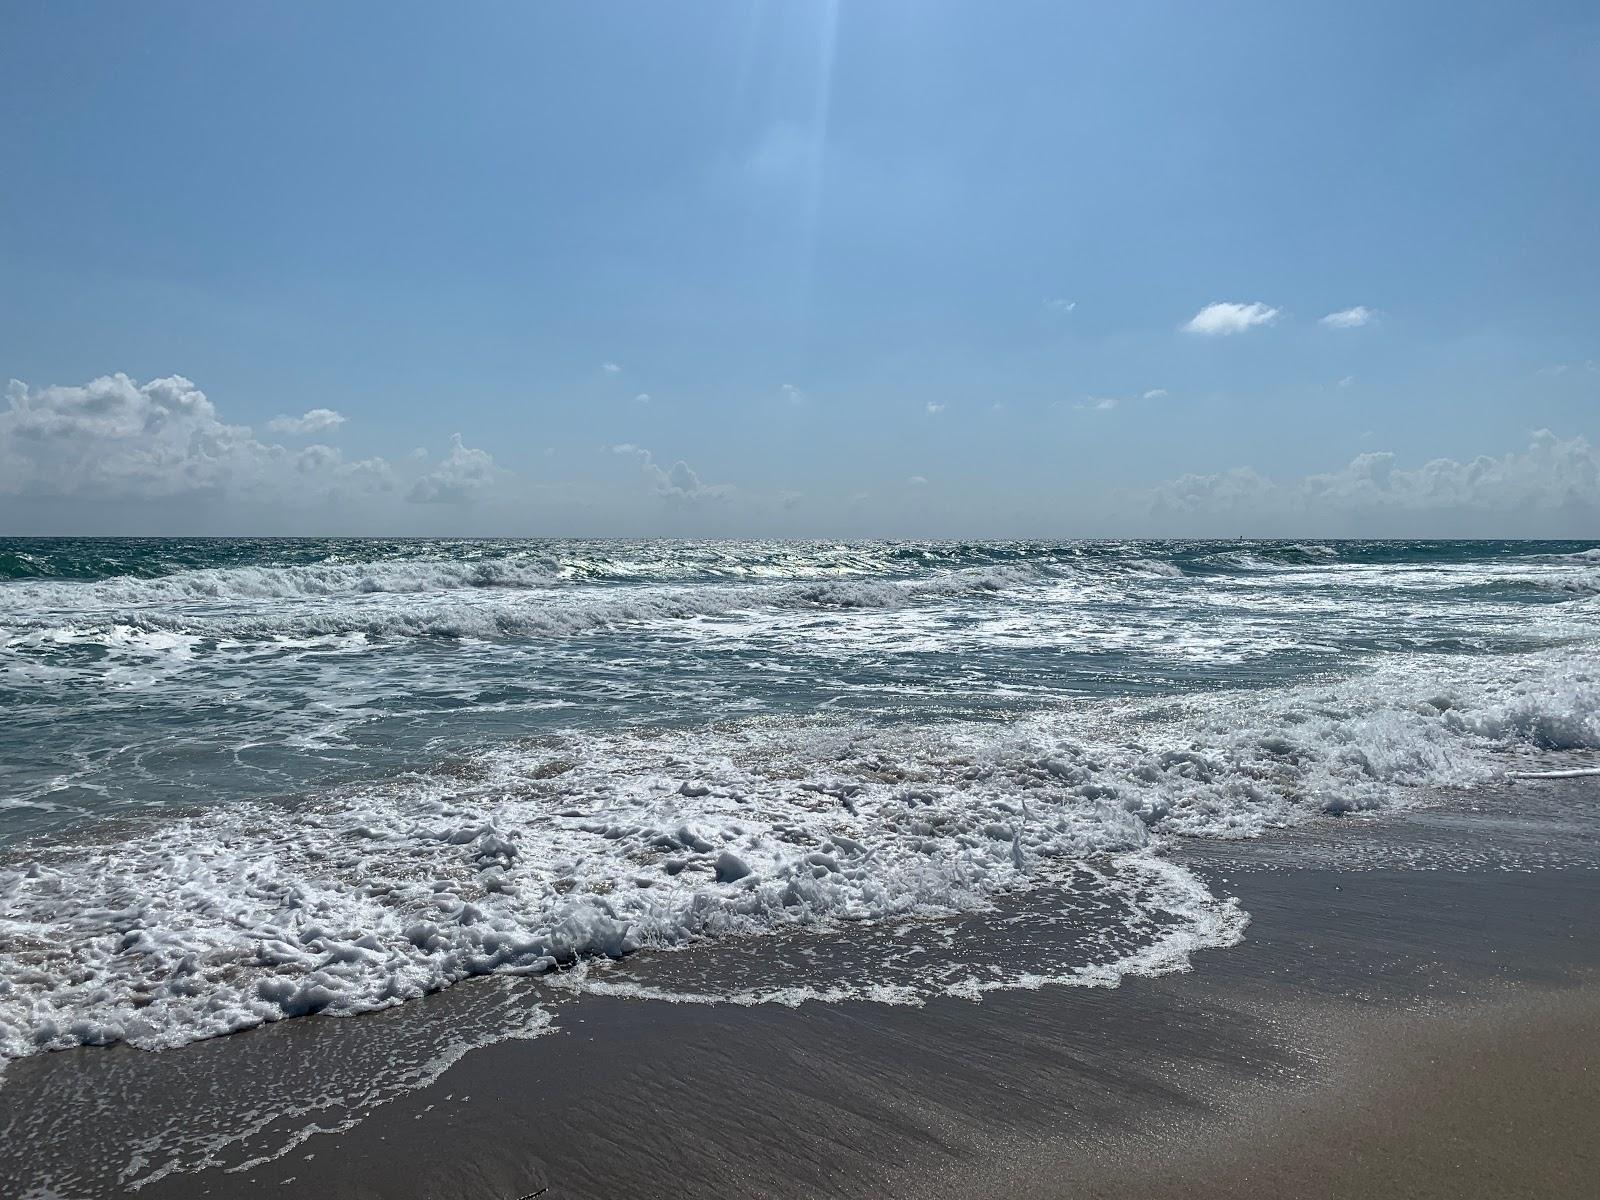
[[249, 779]]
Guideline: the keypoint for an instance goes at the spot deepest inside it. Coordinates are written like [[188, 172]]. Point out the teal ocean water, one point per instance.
[[248, 779]]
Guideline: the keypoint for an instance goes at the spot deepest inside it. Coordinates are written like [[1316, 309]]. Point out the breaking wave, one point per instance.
[[543, 611], [525, 857], [261, 582]]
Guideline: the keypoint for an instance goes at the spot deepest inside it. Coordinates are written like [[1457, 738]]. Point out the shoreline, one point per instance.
[[1385, 959]]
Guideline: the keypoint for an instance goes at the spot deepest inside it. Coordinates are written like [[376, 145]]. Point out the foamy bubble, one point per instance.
[[522, 858]]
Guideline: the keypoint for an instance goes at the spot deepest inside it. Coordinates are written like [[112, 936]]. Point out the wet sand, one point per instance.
[[1502, 1100], [1415, 1011]]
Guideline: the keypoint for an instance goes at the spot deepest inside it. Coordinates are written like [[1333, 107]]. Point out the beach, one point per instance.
[[1413, 1012], [422, 868], [799, 601]]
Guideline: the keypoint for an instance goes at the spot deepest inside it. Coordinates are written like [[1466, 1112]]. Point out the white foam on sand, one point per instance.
[[532, 856], [1095, 924], [257, 1103]]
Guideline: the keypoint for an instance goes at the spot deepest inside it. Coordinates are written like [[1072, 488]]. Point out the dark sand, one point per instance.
[[1415, 1011], [1501, 1101]]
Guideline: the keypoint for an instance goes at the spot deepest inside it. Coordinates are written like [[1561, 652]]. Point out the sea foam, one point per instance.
[[525, 857], [107, 610]]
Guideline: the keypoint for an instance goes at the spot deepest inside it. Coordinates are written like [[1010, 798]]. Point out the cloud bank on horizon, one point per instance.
[[114, 446]]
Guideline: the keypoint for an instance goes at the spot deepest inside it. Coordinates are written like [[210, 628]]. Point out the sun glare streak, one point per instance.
[[827, 46]]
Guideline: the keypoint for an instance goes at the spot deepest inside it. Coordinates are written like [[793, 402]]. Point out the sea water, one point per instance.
[[243, 780]]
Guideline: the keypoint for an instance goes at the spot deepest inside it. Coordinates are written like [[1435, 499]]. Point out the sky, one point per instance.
[[801, 269]]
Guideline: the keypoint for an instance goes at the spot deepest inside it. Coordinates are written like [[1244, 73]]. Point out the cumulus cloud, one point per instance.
[[318, 420], [611, 368], [1061, 307], [1551, 487], [1350, 318], [113, 437], [917, 481], [1225, 317], [934, 408], [315, 459], [116, 441], [642, 398], [464, 474], [678, 485], [792, 394], [1240, 491]]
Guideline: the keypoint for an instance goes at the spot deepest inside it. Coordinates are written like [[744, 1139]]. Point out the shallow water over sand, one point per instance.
[[250, 780]]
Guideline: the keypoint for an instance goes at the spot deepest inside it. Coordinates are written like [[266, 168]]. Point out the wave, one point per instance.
[[201, 569], [262, 582], [527, 857], [1590, 555], [1573, 572], [332, 564], [544, 612], [1267, 557], [1155, 568], [1586, 584]]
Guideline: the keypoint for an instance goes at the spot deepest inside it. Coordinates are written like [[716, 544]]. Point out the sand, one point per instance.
[[1415, 1012]]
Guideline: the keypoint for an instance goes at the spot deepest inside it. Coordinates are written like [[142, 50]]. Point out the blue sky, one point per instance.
[[797, 268]]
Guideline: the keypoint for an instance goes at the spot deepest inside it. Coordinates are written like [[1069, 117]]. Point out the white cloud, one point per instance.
[[678, 485], [611, 368], [1061, 307], [113, 437], [315, 459], [642, 398], [118, 442], [318, 420], [1350, 318], [918, 481], [792, 394], [1231, 493], [1552, 486], [1156, 394], [1347, 381], [464, 475], [934, 408], [1226, 317]]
